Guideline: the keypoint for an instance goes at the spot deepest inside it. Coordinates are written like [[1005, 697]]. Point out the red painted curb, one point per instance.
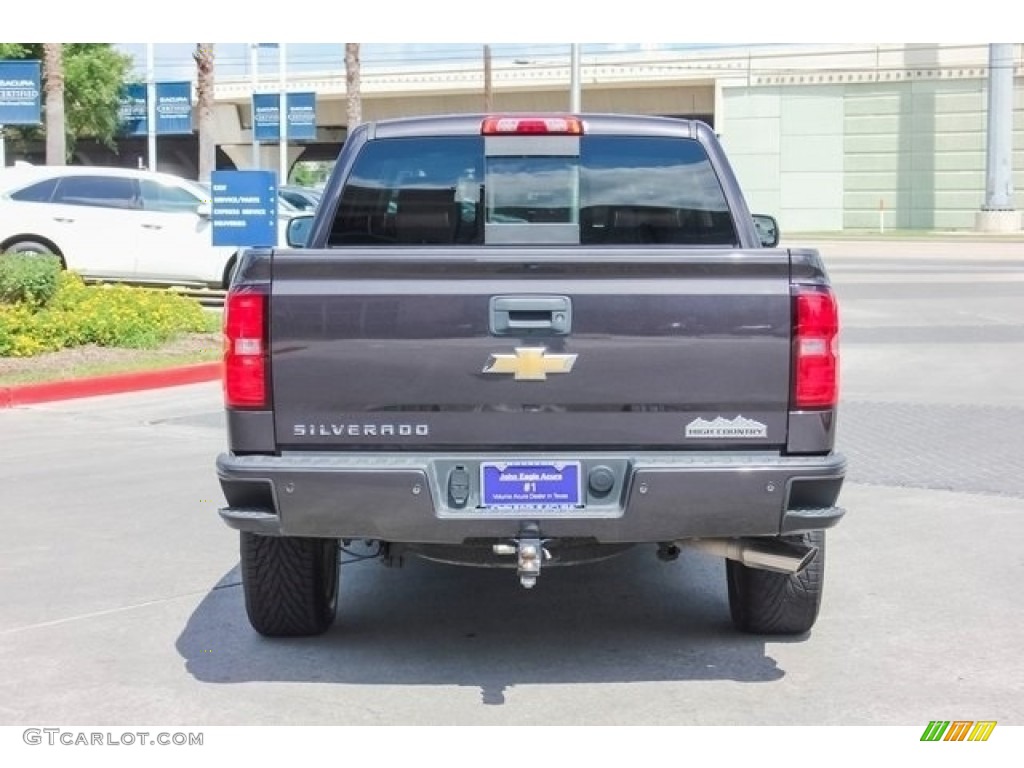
[[27, 394]]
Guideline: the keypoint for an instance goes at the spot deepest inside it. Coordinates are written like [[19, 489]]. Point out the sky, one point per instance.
[[403, 31], [413, 32]]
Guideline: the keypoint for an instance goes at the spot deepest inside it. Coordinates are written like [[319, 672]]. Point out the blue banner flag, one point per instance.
[[266, 125], [20, 102], [173, 108], [133, 111], [301, 116]]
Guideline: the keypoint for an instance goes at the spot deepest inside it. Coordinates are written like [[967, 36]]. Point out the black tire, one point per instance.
[[768, 603], [33, 246], [290, 584]]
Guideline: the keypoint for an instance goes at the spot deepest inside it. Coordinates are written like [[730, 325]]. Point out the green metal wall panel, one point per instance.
[[827, 155]]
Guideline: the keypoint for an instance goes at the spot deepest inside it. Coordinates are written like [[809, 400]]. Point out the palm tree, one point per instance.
[[53, 77], [203, 56], [354, 106]]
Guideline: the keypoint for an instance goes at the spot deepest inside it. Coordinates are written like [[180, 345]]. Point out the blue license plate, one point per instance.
[[529, 485]]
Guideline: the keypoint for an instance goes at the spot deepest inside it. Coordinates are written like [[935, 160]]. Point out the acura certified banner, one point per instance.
[[173, 109], [19, 92], [301, 116]]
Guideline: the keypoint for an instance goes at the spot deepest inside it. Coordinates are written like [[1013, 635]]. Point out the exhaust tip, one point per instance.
[[767, 554], [779, 556]]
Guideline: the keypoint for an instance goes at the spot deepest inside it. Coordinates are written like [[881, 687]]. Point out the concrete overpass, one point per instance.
[[829, 137], [648, 82], [646, 87]]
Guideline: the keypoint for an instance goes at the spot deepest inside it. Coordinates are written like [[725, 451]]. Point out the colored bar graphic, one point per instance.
[[958, 730], [982, 730]]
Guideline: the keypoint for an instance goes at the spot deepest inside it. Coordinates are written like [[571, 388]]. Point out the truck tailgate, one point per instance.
[[390, 349]]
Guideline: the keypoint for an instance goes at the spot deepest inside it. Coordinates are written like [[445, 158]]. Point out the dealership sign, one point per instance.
[[133, 112], [20, 102], [302, 116], [244, 208], [266, 109], [173, 109]]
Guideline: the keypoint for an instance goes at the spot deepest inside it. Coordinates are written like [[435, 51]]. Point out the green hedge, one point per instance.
[[28, 278], [110, 316]]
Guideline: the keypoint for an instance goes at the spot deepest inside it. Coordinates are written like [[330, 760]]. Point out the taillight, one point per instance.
[[245, 349], [553, 126], [815, 348]]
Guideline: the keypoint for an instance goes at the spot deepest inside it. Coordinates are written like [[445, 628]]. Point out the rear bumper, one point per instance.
[[656, 497]]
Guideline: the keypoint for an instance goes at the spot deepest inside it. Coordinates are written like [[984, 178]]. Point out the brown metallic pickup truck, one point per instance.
[[531, 340]]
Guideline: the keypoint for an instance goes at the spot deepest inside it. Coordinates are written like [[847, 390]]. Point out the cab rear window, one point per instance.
[[589, 190]]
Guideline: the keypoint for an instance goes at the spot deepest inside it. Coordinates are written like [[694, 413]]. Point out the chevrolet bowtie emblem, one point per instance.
[[530, 364]]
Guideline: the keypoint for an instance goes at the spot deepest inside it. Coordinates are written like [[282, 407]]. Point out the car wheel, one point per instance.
[[290, 584], [33, 247], [770, 603]]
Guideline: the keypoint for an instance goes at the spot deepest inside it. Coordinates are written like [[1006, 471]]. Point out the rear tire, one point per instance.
[[37, 247], [290, 584], [768, 603]]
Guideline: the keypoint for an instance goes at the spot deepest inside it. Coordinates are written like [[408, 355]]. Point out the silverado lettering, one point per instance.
[[360, 430], [523, 340]]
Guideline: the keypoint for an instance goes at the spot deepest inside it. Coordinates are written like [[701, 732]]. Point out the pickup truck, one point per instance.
[[530, 341]]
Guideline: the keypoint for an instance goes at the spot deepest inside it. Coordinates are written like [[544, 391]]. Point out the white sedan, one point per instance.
[[115, 224]]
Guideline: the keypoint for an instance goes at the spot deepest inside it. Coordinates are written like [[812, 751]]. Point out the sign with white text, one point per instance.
[[173, 108], [244, 208], [20, 102], [133, 110], [301, 116]]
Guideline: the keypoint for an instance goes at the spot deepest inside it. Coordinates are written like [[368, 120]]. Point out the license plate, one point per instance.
[[530, 485]]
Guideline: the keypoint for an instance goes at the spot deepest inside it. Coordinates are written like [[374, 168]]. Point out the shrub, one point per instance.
[[110, 316], [18, 332], [28, 278]]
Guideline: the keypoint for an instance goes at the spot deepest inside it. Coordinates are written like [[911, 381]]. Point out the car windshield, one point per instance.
[[201, 191], [302, 199]]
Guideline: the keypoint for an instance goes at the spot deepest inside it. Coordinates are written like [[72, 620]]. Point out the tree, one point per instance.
[[53, 88], [94, 76], [13, 51], [203, 56], [354, 99]]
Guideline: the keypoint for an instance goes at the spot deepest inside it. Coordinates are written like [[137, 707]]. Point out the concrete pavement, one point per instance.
[[121, 601]]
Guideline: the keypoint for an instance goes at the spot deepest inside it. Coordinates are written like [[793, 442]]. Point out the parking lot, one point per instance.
[[121, 601]]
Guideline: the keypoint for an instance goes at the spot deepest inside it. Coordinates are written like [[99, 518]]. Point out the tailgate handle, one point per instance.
[[531, 315]]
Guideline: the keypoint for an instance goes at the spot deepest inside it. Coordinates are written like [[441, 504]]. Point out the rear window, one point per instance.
[[40, 192], [97, 191], [413, 192], [167, 198], [592, 190], [651, 190]]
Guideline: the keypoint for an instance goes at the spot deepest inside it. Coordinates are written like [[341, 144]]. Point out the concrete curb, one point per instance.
[[27, 394]]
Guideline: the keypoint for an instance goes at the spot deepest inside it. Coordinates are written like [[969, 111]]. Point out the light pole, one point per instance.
[[998, 214], [151, 104], [575, 98], [282, 115], [254, 63]]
